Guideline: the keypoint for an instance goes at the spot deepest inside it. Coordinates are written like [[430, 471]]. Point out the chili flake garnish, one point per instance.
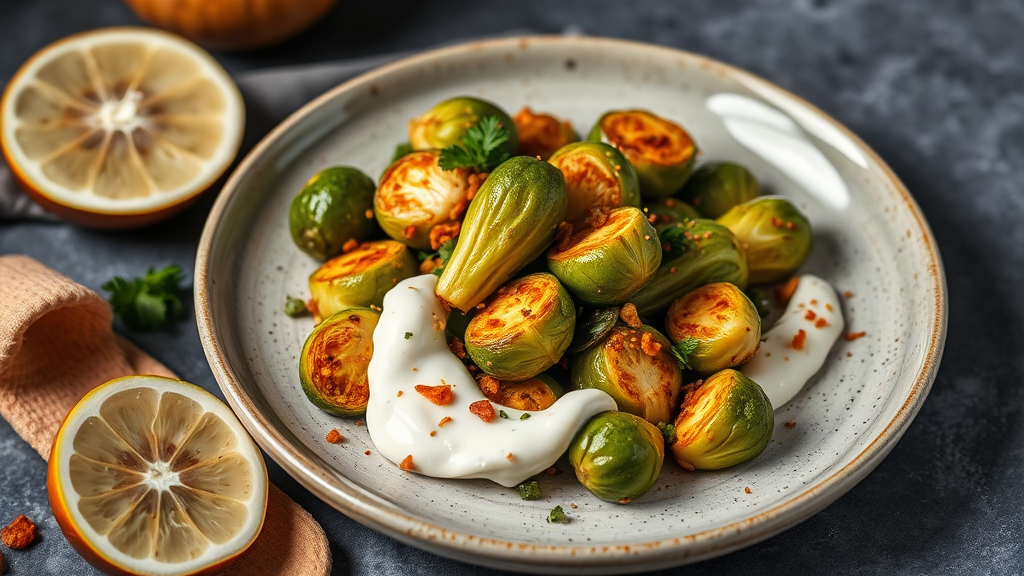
[[335, 437], [821, 323], [810, 315], [799, 340], [444, 421], [406, 463], [440, 395], [483, 409], [851, 336]]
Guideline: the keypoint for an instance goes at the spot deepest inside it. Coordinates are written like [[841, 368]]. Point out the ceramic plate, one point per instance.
[[871, 242]]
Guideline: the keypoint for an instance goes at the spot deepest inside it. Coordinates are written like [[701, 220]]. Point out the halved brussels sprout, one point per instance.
[[662, 153], [636, 368], [334, 360], [668, 211], [511, 221], [523, 330], [722, 319], [596, 176], [360, 277], [777, 236], [617, 456], [607, 265], [446, 123], [697, 252], [542, 134], [715, 188], [415, 195], [723, 422], [335, 206], [532, 394]]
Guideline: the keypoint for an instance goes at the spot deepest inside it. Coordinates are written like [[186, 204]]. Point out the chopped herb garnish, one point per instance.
[[408, 335], [146, 303], [668, 431], [683, 349], [294, 307], [529, 490], [524, 417], [444, 252], [480, 148], [502, 414], [556, 516], [401, 150]]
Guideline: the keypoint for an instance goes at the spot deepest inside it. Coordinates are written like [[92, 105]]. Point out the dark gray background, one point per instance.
[[937, 88]]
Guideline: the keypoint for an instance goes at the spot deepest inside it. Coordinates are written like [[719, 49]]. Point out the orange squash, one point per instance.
[[232, 24]]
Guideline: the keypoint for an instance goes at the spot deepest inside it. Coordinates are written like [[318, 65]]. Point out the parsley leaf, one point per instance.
[[146, 303], [480, 148], [503, 414], [444, 252], [408, 335], [556, 516], [668, 431], [294, 307], [684, 349], [529, 490]]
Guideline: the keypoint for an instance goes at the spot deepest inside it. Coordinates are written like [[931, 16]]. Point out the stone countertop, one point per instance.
[[937, 88]]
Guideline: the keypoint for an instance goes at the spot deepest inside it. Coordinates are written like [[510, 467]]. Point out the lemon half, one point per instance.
[[150, 475], [120, 127]]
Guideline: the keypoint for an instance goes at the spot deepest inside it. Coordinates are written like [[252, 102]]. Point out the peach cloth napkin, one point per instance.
[[56, 344]]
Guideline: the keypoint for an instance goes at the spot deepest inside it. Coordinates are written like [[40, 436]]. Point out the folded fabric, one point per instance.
[[57, 344]]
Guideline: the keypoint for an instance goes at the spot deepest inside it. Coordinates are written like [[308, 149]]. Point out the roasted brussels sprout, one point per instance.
[[523, 330], [715, 188], [360, 277], [665, 212], [608, 264], [596, 176], [532, 394], [511, 221], [617, 456], [332, 367], [335, 206], [542, 134], [776, 234], [636, 368], [444, 124], [724, 421], [415, 195], [724, 322], [697, 252], [660, 150]]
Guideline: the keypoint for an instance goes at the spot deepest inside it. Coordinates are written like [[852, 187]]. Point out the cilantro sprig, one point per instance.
[[529, 490], [668, 431], [480, 148], [683, 349], [145, 303]]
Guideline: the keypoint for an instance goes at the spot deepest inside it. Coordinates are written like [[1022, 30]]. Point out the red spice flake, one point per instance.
[[409, 231], [563, 237], [849, 354], [821, 323], [847, 294], [573, 505], [18, 534], [777, 222], [814, 301], [440, 395], [443, 233], [673, 270], [790, 226], [552, 471], [828, 307], [786, 358], [349, 246], [399, 394], [707, 235], [851, 336], [368, 214], [311, 306], [652, 218], [335, 437], [510, 457], [810, 315], [629, 315], [483, 409], [785, 292], [406, 463], [367, 452], [799, 340], [489, 385], [433, 433], [625, 500], [748, 490], [790, 424], [649, 345], [457, 347], [444, 421], [359, 422]]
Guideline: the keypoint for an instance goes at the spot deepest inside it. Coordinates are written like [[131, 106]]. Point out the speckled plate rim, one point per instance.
[[368, 509]]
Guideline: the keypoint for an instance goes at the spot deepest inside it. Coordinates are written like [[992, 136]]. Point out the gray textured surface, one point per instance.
[[937, 88]]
